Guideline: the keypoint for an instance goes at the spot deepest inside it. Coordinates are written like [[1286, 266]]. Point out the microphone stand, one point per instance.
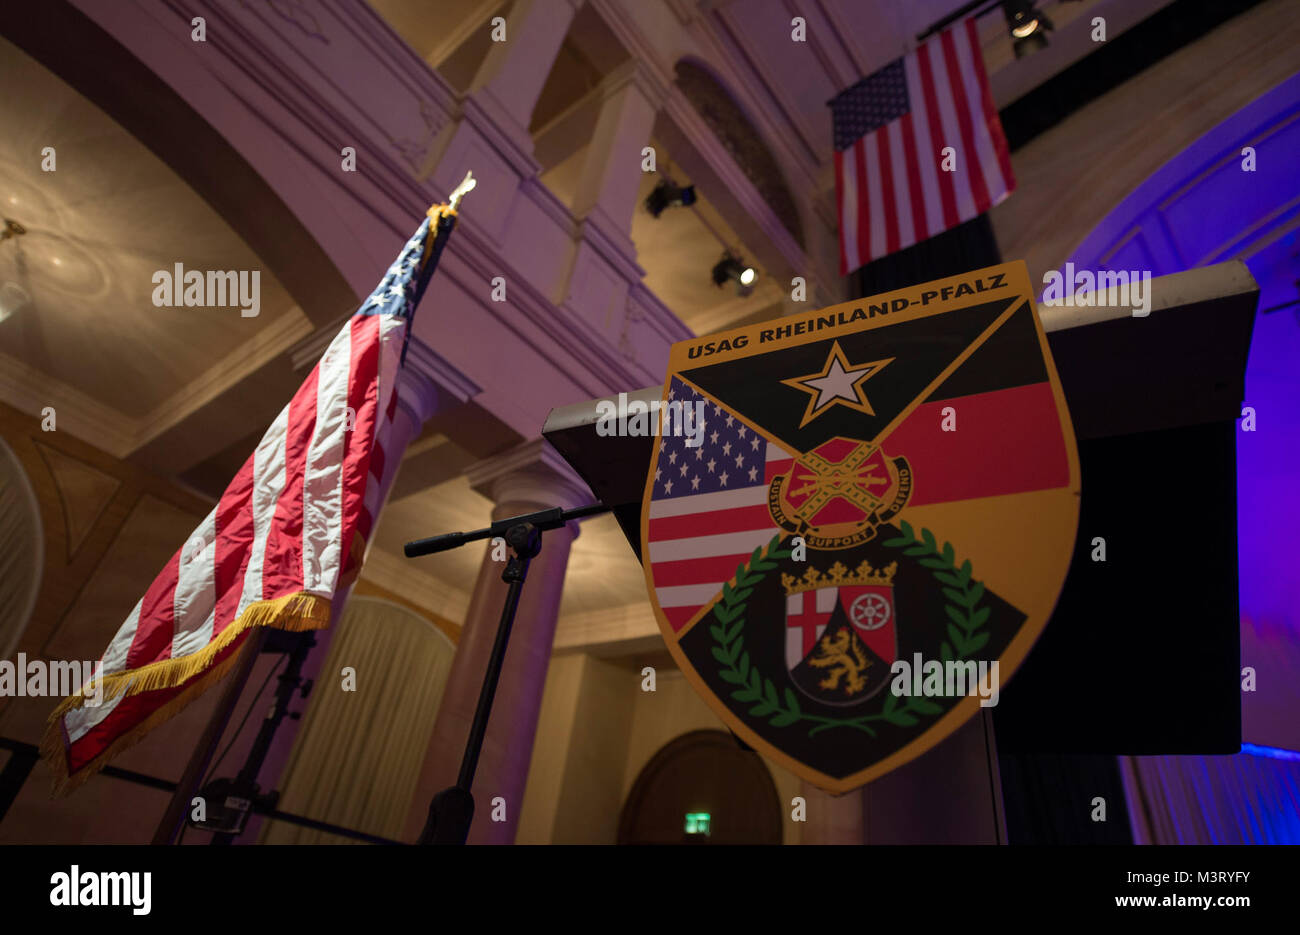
[[452, 809]]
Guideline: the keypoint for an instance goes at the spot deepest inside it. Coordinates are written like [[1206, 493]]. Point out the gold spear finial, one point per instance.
[[461, 190]]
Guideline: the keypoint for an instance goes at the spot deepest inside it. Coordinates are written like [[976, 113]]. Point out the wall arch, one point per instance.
[[702, 771], [733, 128]]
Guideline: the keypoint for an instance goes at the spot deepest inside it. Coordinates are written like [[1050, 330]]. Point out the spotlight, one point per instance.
[[668, 195], [729, 268], [1027, 25]]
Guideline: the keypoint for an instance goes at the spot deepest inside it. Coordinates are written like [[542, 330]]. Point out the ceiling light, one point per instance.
[[668, 195], [731, 269], [1028, 27], [11, 229]]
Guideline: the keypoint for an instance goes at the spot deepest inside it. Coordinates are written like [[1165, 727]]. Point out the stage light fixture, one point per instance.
[[731, 269], [1027, 25], [668, 195]]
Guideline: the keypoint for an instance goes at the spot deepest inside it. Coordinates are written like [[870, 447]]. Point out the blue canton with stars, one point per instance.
[[396, 292], [876, 100], [732, 456]]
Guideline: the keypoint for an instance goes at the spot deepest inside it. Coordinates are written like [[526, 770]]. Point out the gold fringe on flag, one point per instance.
[[292, 612]]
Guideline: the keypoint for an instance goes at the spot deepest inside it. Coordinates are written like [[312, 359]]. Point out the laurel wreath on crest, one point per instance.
[[965, 636]]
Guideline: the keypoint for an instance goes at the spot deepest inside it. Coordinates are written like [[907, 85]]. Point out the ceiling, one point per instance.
[[99, 226]]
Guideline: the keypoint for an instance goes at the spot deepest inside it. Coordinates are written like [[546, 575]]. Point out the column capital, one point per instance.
[[428, 383], [529, 477], [637, 74]]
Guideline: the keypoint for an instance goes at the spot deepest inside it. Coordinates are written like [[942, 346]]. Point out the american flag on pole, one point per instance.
[[708, 510], [890, 130], [288, 534]]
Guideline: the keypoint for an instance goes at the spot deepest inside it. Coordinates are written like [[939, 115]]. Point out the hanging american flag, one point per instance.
[[708, 509], [890, 130], [286, 537]]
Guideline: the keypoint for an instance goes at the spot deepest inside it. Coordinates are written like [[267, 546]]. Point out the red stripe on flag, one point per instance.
[[282, 570], [153, 635], [970, 152], [690, 525], [839, 204], [363, 398], [914, 188], [864, 214], [991, 119], [887, 192], [235, 533], [714, 570], [1007, 441]]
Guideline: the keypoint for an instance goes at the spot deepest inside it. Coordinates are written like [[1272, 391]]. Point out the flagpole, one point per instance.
[[201, 758]]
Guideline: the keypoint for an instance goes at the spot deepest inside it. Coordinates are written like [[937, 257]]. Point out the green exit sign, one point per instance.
[[697, 822]]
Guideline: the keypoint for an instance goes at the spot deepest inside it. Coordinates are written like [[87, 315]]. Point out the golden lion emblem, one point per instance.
[[844, 657]]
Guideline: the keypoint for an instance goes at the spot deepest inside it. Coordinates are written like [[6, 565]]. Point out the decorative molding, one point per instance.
[[453, 38], [262, 348], [323, 106], [79, 414], [424, 360]]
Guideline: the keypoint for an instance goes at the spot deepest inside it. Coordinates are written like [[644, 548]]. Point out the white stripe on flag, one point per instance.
[[195, 598], [79, 721], [322, 499], [709, 502], [114, 658], [268, 484], [927, 153], [952, 131]]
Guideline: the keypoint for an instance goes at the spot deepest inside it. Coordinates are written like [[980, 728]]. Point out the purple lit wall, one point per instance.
[[1201, 208]]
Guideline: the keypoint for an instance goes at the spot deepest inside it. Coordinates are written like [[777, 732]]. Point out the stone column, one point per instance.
[[832, 819], [528, 478], [611, 172]]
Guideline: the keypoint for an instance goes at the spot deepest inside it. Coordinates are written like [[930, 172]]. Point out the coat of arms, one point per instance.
[[880, 505]]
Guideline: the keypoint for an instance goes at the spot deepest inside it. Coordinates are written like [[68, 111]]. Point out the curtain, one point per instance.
[[359, 755], [1247, 798]]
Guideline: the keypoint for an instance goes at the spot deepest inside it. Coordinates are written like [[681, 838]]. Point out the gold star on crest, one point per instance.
[[839, 383]]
